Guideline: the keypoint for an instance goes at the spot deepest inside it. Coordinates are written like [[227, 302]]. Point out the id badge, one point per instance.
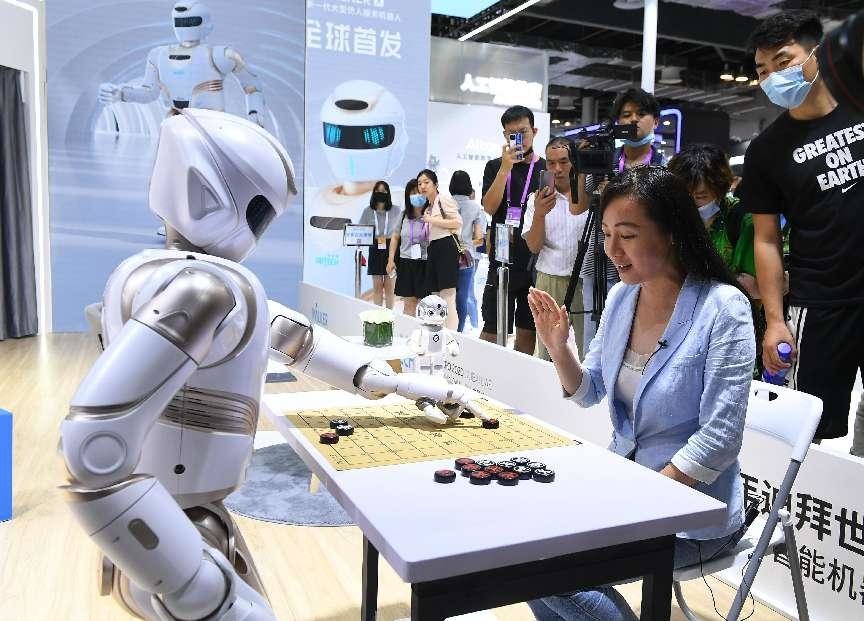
[[414, 251], [382, 243], [514, 217]]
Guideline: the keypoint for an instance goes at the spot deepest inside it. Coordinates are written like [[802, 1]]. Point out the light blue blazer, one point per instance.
[[690, 405]]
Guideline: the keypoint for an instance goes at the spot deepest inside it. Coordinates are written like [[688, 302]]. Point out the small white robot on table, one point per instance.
[[429, 342]]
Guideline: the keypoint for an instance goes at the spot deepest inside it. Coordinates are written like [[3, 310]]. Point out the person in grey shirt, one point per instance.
[[473, 229]]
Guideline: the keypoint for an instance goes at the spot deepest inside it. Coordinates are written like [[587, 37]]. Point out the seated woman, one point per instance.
[[673, 353]]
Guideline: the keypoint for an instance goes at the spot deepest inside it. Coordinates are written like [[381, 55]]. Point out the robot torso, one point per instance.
[[201, 445]]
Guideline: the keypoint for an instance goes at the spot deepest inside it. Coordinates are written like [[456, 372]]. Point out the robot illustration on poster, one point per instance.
[[192, 73], [363, 136], [161, 429]]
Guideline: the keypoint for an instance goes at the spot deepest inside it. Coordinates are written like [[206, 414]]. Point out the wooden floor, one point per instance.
[[48, 566]]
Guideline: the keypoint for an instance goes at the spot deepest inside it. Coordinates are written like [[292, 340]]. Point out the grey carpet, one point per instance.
[[277, 490]]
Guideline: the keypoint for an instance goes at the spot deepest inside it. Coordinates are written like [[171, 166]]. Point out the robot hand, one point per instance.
[[110, 93], [440, 401]]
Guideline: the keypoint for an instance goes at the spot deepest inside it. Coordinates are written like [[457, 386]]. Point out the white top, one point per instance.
[[563, 231], [598, 499], [628, 380]]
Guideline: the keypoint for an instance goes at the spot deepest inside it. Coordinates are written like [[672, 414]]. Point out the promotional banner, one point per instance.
[[465, 137], [367, 90], [114, 73]]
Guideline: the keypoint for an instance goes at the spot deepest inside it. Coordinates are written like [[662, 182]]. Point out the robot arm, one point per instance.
[[133, 518], [147, 91], [319, 353], [452, 345], [232, 62]]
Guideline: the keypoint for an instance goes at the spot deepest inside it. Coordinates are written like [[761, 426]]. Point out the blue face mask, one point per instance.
[[709, 211], [639, 143], [787, 87], [418, 200]]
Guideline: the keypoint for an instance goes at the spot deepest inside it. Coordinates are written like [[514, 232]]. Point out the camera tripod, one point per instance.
[[598, 268]]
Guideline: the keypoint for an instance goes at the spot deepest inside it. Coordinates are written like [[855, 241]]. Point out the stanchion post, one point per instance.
[[358, 262], [503, 294]]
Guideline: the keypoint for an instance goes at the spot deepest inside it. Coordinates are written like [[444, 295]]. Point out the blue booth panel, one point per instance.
[[5, 465]]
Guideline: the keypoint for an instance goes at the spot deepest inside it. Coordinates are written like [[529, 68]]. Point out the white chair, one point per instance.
[[790, 417]]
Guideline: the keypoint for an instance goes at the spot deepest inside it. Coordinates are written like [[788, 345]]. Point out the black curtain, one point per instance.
[[17, 269]]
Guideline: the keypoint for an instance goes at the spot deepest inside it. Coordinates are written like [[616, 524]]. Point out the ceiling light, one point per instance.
[[742, 78], [726, 76], [667, 123], [568, 124], [628, 5], [499, 19], [556, 121], [670, 75]]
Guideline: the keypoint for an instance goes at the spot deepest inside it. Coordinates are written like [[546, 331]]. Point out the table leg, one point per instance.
[[369, 605], [425, 608], [657, 586]]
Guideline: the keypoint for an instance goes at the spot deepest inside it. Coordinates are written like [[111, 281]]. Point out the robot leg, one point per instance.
[[139, 526]]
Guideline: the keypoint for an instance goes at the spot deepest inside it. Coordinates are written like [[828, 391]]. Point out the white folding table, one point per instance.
[[465, 547]]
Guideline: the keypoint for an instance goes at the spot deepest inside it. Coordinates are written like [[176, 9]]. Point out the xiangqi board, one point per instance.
[[393, 434]]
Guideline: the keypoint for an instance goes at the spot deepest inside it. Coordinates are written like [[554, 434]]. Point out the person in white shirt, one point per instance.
[[553, 233]]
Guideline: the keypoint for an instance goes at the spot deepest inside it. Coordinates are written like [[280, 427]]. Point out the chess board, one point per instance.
[[393, 434]]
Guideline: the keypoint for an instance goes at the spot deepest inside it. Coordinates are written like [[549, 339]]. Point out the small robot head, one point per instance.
[[364, 134], [432, 310], [218, 181], [192, 21]]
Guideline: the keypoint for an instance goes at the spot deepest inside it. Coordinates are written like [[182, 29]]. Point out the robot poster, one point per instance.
[[115, 72], [367, 91]]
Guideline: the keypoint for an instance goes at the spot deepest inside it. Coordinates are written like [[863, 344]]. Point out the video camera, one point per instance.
[[597, 158], [840, 59]]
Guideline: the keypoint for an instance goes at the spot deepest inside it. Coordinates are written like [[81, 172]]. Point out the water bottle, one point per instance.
[[784, 350]]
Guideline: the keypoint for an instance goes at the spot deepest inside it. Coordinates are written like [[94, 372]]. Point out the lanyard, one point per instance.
[[386, 222], [647, 161], [424, 232], [527, 185]]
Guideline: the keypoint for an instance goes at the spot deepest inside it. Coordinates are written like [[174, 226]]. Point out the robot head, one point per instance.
[[192, 21], [219, 180], [364, 134], [432, 310]]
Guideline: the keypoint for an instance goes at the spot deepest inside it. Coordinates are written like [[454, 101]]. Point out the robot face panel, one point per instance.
[[192, 21], [364, 136], [432, 310], [219, 181]]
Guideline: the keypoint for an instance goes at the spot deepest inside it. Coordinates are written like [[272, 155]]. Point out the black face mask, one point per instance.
[[380, 197]]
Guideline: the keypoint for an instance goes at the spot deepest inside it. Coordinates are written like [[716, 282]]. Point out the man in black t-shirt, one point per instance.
[[507, 183], [809, 166]]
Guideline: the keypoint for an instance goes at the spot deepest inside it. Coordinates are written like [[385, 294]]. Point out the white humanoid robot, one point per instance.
[[432, 339], [191, 74], [161, 428]]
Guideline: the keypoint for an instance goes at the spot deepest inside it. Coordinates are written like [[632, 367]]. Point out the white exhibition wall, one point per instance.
[[827, 504], [466, 136]]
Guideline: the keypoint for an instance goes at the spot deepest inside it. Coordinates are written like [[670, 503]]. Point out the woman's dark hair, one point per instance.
[[388, 204], [460, 184], [646, 102], [801, 27], [668, 204], [429, 173], [703, 163], [410, 188]]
